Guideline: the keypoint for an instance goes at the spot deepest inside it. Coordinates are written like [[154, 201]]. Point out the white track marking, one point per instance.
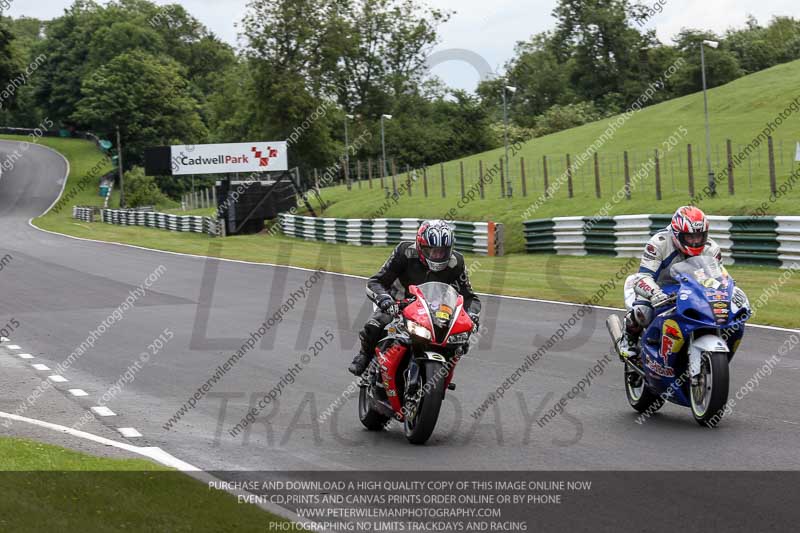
[[160, 455], [102, 410], [78, 392], [4, 339], [55, 378], [25, 356], [14, 347], [130, 433], [40, 366], [240, 261]]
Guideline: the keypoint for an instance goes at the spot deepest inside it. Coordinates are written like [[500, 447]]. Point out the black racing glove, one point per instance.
[[476, 319], [387, 305]]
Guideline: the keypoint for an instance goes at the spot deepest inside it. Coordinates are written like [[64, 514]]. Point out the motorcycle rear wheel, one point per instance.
[[419, 427], [710, 395], [640, 397]]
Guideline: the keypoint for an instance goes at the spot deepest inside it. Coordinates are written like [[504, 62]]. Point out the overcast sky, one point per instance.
[[489, 29]]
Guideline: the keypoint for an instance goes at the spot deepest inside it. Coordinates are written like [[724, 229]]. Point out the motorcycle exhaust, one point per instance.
[[614, 325]]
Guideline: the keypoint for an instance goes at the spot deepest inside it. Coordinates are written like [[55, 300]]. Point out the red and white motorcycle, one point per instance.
[[415, 362]]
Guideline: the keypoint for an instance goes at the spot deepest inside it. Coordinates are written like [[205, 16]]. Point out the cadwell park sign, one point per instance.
[[229, 158]]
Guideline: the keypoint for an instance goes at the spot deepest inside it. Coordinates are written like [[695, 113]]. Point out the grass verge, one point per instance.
[[49, 488]]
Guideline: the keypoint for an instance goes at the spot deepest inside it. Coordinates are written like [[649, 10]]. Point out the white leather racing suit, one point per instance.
[[658, 257]]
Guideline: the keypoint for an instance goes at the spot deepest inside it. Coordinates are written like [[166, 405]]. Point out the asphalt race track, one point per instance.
[[60, 289]]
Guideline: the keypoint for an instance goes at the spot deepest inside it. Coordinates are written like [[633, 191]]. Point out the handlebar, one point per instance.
[[402, 304]]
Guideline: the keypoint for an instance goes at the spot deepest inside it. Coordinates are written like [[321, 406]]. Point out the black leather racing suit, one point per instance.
[[404, 268]]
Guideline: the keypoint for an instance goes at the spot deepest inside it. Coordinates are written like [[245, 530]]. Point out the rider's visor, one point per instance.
[[436, 253], [695, 240]]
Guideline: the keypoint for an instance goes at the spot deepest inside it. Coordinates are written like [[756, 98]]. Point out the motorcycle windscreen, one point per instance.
[[713, 284], [700, 268], [442, 300]]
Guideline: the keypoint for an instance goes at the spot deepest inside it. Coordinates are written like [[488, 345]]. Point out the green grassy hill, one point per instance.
[[739, 111]]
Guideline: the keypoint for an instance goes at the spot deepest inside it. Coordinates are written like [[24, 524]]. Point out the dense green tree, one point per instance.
[[89, 36], [598, 36], [141, 190], [190, 43], [722, 66], [230, 109], [541, 80], [383, 47], [559, 117], [364, 56], [67, 51], [284, 54], [757, 47], [424, 131], [27, 33], [19, 108], [147, 97], [9, 57]]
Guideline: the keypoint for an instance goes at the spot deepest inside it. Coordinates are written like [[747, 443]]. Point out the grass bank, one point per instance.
[[49, 488]]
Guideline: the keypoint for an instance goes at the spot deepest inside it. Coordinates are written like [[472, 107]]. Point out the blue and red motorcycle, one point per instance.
[[686, 351]]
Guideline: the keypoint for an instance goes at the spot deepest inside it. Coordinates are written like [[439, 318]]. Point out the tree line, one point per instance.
[[161, 76]]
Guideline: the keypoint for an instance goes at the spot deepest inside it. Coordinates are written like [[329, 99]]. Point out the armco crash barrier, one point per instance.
[[149, 219], [772, 241], [471, 237]]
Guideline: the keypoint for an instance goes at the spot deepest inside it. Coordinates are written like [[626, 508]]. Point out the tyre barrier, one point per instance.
[[767, 240], [150, 219], [87, 214], [485, 238]]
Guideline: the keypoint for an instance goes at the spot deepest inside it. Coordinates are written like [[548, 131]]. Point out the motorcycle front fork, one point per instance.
[[412, 377]]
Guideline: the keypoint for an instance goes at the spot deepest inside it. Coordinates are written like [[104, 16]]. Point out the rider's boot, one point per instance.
[[628, 346], [360, 363], [369, 337]]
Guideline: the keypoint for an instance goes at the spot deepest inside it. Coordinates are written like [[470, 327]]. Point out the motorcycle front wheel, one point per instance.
[[709, 393], [424, 413]]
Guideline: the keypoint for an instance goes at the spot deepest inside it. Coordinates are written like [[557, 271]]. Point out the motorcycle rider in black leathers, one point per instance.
[[430, 258]]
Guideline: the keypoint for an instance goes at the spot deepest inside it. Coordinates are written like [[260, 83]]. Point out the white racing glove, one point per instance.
[[647, 287], [659, 298]]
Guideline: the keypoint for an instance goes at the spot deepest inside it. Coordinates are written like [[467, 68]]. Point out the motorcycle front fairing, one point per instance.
[[431, 317], [440, 310]]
